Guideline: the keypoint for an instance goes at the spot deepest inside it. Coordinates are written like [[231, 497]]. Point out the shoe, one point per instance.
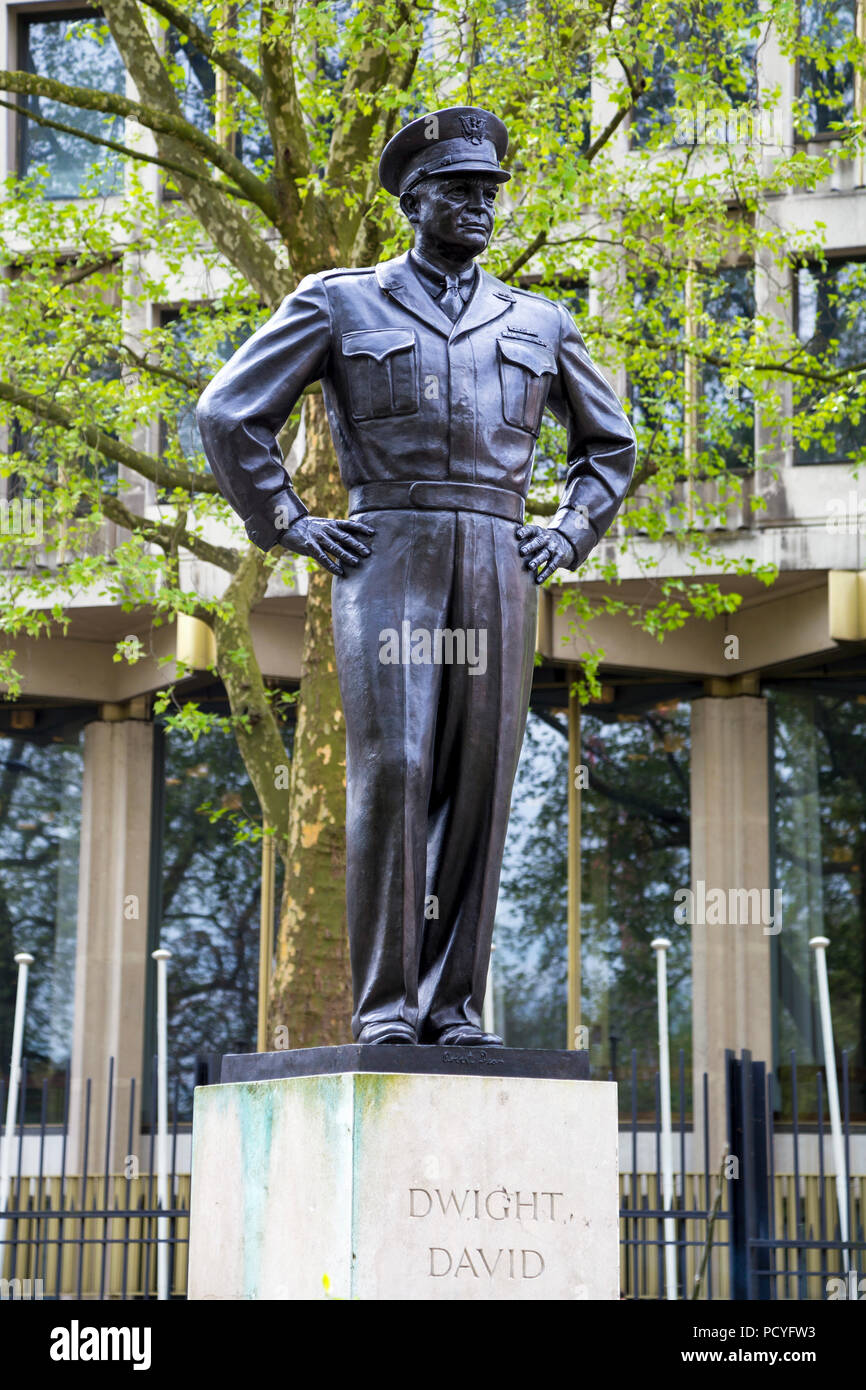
[[466, 1035], [390, 1031]]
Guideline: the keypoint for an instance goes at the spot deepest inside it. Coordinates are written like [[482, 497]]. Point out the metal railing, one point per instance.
[[79, 1233], [700, 1219]]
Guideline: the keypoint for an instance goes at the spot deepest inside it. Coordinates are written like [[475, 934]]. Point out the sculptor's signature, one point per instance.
[[467, 1055]]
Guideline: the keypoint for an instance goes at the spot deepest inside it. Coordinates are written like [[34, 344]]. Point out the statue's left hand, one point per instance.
[[547, 550]]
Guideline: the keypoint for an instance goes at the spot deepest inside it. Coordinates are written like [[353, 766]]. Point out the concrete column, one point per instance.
[[111, 954], [730, 847]]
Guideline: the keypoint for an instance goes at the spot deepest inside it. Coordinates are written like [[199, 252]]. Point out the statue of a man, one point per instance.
[[435, 377]]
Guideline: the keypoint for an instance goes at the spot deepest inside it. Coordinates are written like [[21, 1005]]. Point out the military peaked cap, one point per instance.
[[457, 140]]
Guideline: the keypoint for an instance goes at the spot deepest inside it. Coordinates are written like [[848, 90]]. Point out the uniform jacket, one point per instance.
[[412, 396]]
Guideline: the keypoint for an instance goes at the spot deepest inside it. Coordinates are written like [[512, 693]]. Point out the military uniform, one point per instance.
[[434, 424]]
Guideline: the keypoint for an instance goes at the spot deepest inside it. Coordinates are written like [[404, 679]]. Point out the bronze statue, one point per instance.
[[435, 378]]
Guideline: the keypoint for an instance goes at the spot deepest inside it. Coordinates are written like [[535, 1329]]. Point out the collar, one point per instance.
[[429, 274], [400, 282]]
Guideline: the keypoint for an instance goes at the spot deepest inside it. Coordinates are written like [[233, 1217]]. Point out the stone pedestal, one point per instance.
[[399, 1185]]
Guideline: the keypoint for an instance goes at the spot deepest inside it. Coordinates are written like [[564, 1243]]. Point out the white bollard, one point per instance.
[[819, 945], [23, 961], [162, 957], [661, 946]]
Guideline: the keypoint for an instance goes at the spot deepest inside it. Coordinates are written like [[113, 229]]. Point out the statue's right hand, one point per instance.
[[331, 543]]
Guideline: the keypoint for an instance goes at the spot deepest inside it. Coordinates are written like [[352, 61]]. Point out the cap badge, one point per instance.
[[473, 129]]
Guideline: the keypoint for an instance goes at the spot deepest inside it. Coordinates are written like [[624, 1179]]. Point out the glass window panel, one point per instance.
[[656, 388], [183, 340], [819, 838], [731, 78], [727, 409], [194, 79], [826, 80], [635, 830], [635, 853], [40, 824], [831, 319], [184, 355], [78, 49], [529, 967], [210, 899]]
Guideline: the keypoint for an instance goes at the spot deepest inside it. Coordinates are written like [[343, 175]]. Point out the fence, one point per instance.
[[93, 1236], [751, 1230], [761, 1232], [786, 1240]]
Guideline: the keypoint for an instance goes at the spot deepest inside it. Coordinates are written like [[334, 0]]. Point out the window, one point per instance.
[[46, 454], [698, 44], [194, 79], [208, 915], [220, 109], [830, 314], [819, 843], [190, 349], [75, 47], [826, 72], [550, 464], [684, 407], [529, 966], [726, 409], [635, 851], [183, 422], [656, 384], [40, 824], [654, 109]]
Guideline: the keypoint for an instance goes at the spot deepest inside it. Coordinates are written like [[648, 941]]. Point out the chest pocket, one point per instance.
[[382, 372], [526, 370]]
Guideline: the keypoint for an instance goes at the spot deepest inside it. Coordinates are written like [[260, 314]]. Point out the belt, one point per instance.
[[442, 497]]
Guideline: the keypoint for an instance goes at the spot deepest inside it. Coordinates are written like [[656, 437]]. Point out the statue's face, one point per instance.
[[453, 212]]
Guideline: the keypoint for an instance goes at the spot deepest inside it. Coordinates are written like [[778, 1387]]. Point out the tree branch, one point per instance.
[[205, 44], [125, 352], [636, 86], [712, 359], [231, 233], [168, 536], [541, 506], [164, 122], [375, 69], [520, 261], [612, 126], [282, 109], [124, 150], [146, 465]]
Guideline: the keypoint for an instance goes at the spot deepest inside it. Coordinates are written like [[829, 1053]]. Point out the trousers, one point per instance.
[[435, 638]]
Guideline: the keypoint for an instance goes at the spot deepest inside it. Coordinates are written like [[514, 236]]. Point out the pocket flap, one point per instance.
[[538, 359], [378, 343]]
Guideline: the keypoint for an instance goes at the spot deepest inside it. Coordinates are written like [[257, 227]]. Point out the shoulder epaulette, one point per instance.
[[532, 294], [346, 270]]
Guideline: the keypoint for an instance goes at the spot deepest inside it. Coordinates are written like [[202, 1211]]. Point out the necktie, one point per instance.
[[451, 300]]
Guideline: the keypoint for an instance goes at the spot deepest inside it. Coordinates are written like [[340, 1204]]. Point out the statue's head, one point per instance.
[[445, 169]]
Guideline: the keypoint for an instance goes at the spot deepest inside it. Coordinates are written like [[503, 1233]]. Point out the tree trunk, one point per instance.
[[311, 992]]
